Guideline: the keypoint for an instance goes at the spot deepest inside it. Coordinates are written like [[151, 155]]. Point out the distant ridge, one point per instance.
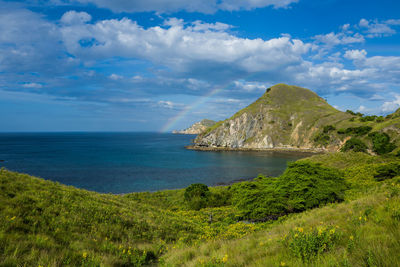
[[197, 127]]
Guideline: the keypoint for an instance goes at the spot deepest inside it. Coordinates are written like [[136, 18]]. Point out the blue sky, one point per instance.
[[152, 65]]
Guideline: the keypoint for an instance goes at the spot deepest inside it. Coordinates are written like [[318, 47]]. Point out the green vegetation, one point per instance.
[[197, 196], [331, 209], [354, 144], [381, 143], [358, 131], [302, 186]]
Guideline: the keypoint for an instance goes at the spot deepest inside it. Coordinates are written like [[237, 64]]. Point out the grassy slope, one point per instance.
[[45, 223], [282, 101], [367, 227]]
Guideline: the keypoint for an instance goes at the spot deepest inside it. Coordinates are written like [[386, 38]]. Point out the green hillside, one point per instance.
[[48, 224], [291, 117]]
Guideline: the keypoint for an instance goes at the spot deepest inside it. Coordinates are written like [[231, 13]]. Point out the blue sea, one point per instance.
[[131, 162]]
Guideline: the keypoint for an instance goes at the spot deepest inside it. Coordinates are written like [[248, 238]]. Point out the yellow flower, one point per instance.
[[13, 218], [300, 229], [360, 218], [282, 263], [84, 255], [225, 258], [365, 218], [351, 237], [332, 231], [319, 231], [296, 235]]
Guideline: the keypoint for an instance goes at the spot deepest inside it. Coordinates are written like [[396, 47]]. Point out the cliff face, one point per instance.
[[197, 128], [286, 117]]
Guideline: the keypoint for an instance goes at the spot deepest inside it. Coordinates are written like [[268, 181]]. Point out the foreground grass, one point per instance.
[[367, 233], [43, 223]]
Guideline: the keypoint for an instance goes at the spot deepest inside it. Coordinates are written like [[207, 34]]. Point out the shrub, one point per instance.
[[322, 139], [302, 186], [368, 118], [307, 185], [328, 128], [307, 246], [197, 195], [381, 143], [380, 119], [350, 112], [354, 144], [341, 131], [358, 131], [387, 171]]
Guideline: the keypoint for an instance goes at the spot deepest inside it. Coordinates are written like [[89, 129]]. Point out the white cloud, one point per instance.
[[391, 106], [115, 77], [182, 47], [333, 39], [355, 54], [203, 6], [373, 28], [32, 85], [169, 104], [72, 17]]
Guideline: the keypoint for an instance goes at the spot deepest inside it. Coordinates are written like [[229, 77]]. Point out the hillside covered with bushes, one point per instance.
[[339, 209]]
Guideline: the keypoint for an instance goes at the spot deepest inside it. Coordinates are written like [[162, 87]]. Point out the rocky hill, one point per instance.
[[197, 128], [294, 118]]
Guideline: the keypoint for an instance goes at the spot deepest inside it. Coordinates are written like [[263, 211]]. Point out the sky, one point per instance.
[[160, 65]]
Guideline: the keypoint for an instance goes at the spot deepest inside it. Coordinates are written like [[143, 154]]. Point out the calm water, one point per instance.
[[130, 162]]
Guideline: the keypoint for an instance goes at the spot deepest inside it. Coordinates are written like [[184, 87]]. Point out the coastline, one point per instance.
[[276, 149]]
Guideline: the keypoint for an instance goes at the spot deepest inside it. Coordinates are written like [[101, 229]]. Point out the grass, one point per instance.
[[43, 223]]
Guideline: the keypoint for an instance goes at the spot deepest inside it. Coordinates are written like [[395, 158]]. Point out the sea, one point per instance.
[[132, 162]]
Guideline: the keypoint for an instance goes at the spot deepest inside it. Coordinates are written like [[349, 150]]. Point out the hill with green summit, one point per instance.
[[295, 118]]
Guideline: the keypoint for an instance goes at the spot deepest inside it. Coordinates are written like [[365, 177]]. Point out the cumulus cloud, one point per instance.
[[391, 106], [355, 54], [203, 6], [182, 47], [73, 17]]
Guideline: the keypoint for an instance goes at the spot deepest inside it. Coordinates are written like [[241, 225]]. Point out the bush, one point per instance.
[[322, 139], [197, 195], [387, 171], [328, 128], [368, 118], [354, 144], [341, 131], [358, 131], [381, 143], [302, 186], [351, 112]]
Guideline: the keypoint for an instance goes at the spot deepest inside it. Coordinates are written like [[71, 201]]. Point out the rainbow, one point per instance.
[[172, 122]]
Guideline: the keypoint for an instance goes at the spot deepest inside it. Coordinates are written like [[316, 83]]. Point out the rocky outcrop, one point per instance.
[[197, 128], [285, 117]]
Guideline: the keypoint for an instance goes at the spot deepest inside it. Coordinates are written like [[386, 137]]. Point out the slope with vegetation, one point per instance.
[[291, 117], [310, 215]]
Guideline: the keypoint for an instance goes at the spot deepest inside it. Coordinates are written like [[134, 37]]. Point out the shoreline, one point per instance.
[[276, 149]]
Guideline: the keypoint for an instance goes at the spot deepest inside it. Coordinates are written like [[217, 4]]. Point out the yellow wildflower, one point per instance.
[[296, 235], [300, 229], [225, 258], [332, 231], [84, 255], [360, 218], [13, 218], [282, 263], [351, 237]]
